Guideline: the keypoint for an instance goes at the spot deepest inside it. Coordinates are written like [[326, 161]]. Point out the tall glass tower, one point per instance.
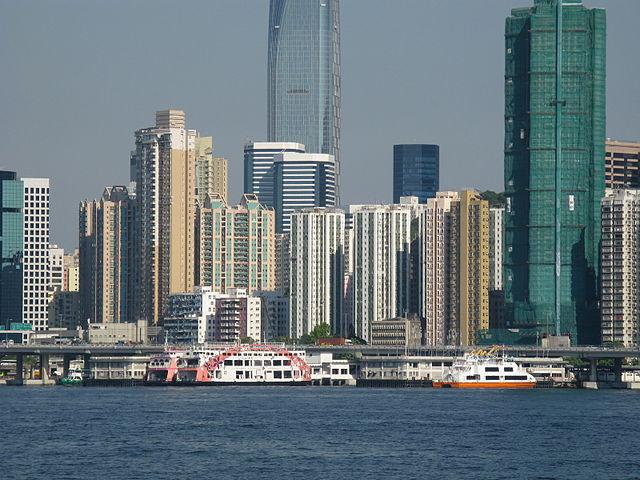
[[554, 167], [303, 103], [11, 248], [416, 171]]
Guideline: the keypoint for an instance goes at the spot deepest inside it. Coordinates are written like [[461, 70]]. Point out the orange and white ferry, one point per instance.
[[482, 369], [163, 367]]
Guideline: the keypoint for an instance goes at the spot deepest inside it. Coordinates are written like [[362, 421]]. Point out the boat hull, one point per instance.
[[485, 385], [226, 384]]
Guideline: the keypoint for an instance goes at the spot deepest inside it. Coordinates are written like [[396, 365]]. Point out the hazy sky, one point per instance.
[[80, 76]]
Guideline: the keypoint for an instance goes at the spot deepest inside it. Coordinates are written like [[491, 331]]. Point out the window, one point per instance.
[[287, 374], [237, 363], [491, 369], [508, 369], [277, 374], [515, 377], [492, 377], [228, 362]]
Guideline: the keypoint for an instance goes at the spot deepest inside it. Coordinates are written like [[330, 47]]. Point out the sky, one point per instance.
[[78, 77]]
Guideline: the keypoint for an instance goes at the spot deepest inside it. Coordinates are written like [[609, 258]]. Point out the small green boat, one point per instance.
[[74, 378]]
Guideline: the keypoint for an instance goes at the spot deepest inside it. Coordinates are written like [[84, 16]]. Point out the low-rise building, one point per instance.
[[111, 333], [397, 331]]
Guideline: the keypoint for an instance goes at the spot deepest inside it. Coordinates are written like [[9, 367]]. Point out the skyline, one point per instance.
[[71, 116]]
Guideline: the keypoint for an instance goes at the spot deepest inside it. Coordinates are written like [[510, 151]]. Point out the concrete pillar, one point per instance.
[[44, 367], [66, 363], [20, 368], [593, 371], [617, 369], [87, 364]]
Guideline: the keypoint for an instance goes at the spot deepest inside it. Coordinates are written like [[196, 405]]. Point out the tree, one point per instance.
[[322, 330], [247, 340]]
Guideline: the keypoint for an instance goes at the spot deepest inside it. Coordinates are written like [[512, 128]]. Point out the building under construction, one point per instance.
[[554, 168]]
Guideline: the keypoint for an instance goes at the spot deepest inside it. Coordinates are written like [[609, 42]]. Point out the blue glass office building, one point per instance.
[[11, 248], [304, 74], [416, 171]]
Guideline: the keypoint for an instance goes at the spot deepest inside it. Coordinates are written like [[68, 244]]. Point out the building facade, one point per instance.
[[188, 315], [163, 169], [12, 199], [236, 245], [534, 111], [303, 74], [469, 270], [434, 288], [381, 257], [107, 258], [620, 287], [416, 171], [317, 270], [496, 248], [259, 168], [302, 180], [622, 164], [35, 279], [211, 172]]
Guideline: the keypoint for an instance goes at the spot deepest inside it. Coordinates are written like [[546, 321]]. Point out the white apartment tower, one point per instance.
[[381, 264], [35, 261], [317, 270], [620, 256], [496, 249], [433, 285]]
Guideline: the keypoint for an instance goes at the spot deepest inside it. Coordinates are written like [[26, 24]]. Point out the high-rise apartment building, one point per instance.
[[163, 168], [302, 180], [259, 168], [622, 164], [35, 280], [211, 172], [469, 268], [12, 198], [71, 273], [416, 171], [381, 253], [107, 258], [620, 301], [303, 75], [548, 127], [317, 269], [235, 245], [433, 286]]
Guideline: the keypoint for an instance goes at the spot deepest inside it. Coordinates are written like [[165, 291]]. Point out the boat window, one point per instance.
[[257, 363], [267, 363], [277, 363], [247, 362], [492, 377], [491, 369], [508, 369], [286, 362], [237, 363], [436, 364], [471, 377], [515, 377], [287, 374], [277, 374], [447, 364]]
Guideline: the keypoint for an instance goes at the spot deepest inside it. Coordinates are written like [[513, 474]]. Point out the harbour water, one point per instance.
[[317, 433]]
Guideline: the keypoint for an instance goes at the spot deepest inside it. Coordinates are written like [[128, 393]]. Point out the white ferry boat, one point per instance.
[[254, 364], [163, 367], [481, 369]]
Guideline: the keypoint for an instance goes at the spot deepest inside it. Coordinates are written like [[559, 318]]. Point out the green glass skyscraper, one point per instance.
[[544, 104], [11, 248]]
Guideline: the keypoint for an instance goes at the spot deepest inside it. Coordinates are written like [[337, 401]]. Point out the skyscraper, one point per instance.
[[381, 253], [433, 288], [11, 248], [554, 114], [107, 258], [416, 171], [302, 180], [163, 169], [469, 268], [303, 73], [619, 260], [259, 169], [35, 282], [317, 269], [235, 245], [211, 172]]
